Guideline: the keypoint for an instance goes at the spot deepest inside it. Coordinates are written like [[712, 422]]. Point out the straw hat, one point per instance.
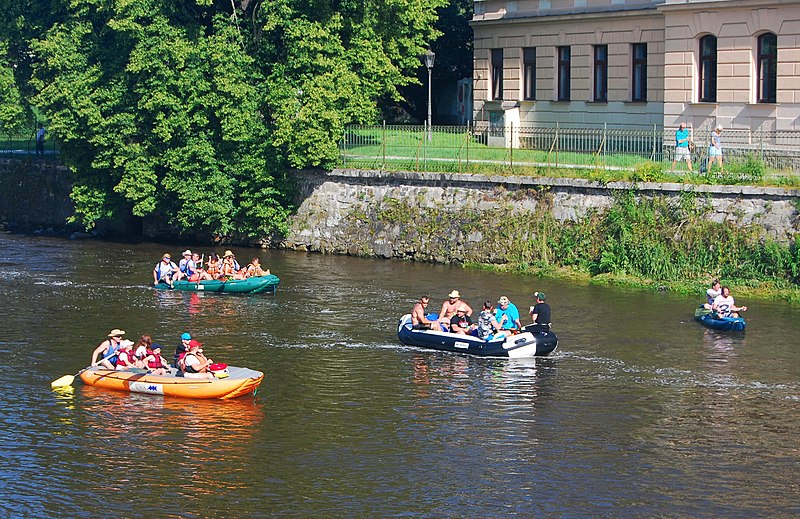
[[454, 293], [187, 252], [227, 253], [116, 332]]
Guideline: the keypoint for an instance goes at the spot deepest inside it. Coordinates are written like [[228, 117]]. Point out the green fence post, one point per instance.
[[469, 138], [653, 153], [557, 144], [425, 147], [511, 147]]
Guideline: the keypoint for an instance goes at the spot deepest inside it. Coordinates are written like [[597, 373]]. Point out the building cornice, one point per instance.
[[560, 18], [714, 5]]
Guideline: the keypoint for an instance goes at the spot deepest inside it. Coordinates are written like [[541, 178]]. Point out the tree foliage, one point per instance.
[[195, 111], [328, 63], [11, 107]]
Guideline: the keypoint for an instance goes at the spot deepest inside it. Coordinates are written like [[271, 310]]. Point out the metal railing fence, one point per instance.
[[25, 145], [484, 146]]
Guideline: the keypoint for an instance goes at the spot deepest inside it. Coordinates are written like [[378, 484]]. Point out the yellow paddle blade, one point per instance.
[[66, 380]]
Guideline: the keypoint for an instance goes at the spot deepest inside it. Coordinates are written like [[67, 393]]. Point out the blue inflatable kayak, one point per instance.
[[725, 324]]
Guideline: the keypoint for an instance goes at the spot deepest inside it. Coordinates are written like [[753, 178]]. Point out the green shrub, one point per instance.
[[749, 170], [648, 172]]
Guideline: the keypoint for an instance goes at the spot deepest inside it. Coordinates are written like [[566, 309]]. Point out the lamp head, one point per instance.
[[429, 57]]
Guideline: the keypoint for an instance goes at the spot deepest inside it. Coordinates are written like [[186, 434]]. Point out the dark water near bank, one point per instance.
[[640, 412]]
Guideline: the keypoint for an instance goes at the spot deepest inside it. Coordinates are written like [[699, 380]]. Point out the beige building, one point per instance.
[[638, 63]]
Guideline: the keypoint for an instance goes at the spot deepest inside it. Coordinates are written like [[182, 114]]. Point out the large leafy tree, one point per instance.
[[11, 107], [155, 105], [193, 111], [327, 63]]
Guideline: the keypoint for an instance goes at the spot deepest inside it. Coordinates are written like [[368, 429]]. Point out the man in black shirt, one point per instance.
[[540, 313]]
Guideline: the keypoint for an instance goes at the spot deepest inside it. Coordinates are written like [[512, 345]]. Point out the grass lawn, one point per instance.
[[396, 149]]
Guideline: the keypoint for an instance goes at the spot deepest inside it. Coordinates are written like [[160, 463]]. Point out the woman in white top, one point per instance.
[[724, 305], [715, 149], [712, 293]]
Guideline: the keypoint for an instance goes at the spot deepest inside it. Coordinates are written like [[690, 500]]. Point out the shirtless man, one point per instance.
[[418, 319], [450, 307]]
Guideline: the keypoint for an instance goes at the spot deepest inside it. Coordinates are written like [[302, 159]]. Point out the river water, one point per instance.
[[640, 412]]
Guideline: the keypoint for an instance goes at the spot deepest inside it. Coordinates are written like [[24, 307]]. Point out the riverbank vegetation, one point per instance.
[[648, 242]]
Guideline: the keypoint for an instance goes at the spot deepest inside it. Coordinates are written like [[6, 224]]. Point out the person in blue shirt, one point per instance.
[[40, 140], [507, 314], [682, 140]]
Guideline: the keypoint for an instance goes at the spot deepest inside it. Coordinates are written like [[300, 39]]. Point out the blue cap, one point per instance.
[[155, 346], [186, 336]]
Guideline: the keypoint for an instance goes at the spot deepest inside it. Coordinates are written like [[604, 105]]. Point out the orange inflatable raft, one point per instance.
[[238, 382]]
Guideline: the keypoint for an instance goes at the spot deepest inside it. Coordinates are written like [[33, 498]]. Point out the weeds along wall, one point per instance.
[[649, 230]]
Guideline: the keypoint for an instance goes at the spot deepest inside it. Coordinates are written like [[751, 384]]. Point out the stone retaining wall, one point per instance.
[[373, 213], [35, 195]]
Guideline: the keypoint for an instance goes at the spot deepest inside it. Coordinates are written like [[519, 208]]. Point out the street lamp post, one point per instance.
[[429, 57]]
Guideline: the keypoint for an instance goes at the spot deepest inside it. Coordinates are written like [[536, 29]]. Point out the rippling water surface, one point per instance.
[[640, 412]]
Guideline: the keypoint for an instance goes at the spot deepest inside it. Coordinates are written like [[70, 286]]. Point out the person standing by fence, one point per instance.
[[682, 152], [40, 140], [715, 149]]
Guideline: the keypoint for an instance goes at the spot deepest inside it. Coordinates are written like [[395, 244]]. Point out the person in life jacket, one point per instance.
[[194, 364], [106, 353], [125, 358], [199, 274], [182, 348], [141, 349], [154, 362], [254, 269], [214, 265], [166, 271], [230, 267]]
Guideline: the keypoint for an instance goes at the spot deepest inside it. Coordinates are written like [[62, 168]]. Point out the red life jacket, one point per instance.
[[181, 363], [156, 362], [127, 355]]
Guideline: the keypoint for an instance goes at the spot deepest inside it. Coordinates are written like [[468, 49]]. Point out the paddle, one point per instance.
[[67, 380]]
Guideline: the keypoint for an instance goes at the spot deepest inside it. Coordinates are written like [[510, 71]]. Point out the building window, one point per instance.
[[529, 73], [601, 73], [639, 68], [497, 73], [767, 67], [708, 69], [563, 73]]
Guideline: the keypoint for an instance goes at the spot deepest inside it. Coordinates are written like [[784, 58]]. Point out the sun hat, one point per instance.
[[116, 332], [186, 336], [227, 253], [719, 127], [127, 343], [187, 252], [503, 300], [454, 293], [540, 295], [461, 308]]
